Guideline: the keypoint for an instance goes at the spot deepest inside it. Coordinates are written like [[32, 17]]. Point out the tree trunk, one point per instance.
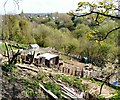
[[107, 78]]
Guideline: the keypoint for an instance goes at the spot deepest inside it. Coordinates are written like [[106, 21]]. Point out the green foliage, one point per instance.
[[106, 6], [41, 76], [81, 29], [117, 96], [2, 47], [8, 67], [25, 30], [70, 36], [78, 21], [33, 84], [13, 79], [40, 33], [101, 98], [17, 29], [42, 20], [30, 92], [72, 81], [23, 45], [31, 87], [53, 87], [52, 24]]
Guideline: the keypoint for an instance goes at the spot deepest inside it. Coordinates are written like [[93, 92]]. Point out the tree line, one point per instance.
[[84, 35]]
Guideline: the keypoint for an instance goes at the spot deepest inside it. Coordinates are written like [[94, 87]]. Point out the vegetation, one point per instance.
[[93, 34], [100, 98], [2, 47], [75, 36], [8, 67], [72, 81], [54, 88], [117, 96], [31, 87]]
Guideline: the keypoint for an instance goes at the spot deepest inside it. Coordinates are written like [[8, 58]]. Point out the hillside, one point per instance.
[[61, 56], [24, 81]]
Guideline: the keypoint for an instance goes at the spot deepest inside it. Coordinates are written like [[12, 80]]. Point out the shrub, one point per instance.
[[8, 67], [53, 87]]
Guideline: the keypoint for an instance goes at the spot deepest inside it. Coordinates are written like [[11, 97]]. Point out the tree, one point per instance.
[[26, 31], [40, 33], [80, 30], [100, 11], [78, 21], [52, 24], [16, 29]]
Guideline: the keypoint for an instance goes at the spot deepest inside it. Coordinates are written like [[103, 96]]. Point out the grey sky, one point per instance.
[[40, 6]]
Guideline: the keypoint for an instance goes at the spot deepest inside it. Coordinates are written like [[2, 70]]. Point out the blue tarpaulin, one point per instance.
[[115, 83]]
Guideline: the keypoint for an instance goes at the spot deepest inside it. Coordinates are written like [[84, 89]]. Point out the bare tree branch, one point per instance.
[[108, 34], [82, 15], [93, 12], [107, 78], [15, 56], [4, 6], [7, 53], [11, 48], [17, 2], [14, 1], [97, 19]]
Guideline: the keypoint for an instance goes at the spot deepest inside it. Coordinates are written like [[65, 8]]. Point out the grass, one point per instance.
[[65, 58], [72, 81], [2, 47], [53, 87], [97, 82], [23, 45]]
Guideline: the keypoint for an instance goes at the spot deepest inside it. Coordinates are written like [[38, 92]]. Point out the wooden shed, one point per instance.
[[39, 61], [51, 60]]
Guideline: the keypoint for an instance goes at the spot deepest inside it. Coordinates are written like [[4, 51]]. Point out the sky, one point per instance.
[[40, 6]]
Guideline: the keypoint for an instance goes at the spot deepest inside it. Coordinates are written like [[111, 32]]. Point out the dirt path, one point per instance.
[[94, 88]]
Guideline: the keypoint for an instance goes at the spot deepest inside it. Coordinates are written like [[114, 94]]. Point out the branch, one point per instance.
[[15, 1], [107, 34], [5, 5], [7, 53], [15, 56], [83, 15], [11, 49], [97, 19], [107, 78], [111, 16], [93, 12]]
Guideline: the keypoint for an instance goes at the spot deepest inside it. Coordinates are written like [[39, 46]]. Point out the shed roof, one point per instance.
[[34, 45], [48, 56]]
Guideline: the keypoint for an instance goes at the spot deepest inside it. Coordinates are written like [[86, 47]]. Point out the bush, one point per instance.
[[53, 87], [117, 96], [41, 76], [72, 81], [101, 98], [31, 87], [8, 67]]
